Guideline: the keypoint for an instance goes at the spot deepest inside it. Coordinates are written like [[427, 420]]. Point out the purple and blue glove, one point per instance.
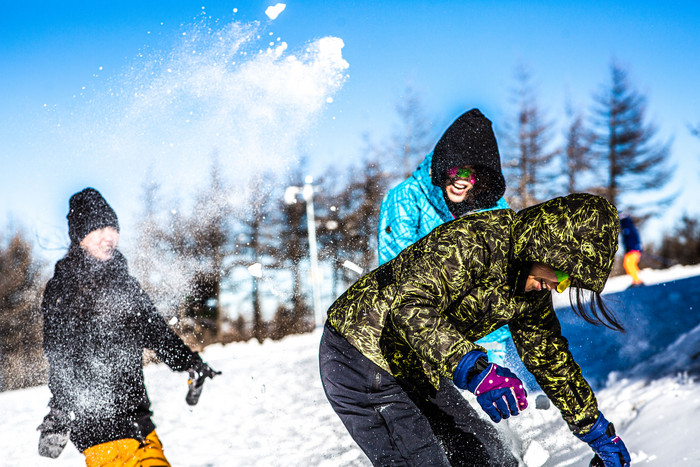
[[498, 391], [608, 447]]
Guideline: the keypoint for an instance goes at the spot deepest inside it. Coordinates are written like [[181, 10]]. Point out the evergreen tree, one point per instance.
[[625, 141], [21, 355], [528, 160]]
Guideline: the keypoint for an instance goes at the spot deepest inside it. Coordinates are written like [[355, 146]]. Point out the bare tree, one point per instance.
[[681, 245], [358, 212], [253, 244], [194, 250], [411, 141], [289, 249], [528, 141], [577, 152], [625, 141]]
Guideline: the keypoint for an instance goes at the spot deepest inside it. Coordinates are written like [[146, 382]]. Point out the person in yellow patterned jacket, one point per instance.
[[401, 328]]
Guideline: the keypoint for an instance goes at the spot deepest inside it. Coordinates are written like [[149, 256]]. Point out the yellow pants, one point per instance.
[[127, 453], [630, 263]]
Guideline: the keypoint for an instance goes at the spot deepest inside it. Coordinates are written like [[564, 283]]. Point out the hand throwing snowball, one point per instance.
[[97, 322]]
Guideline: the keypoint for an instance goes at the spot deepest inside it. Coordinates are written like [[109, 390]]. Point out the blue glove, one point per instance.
[[608, 447], [498, 391]]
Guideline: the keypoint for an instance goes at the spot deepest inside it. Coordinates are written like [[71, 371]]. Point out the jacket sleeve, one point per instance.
[[57, 347], [430, 284], [159, 337], [545, 352], [398, 223]]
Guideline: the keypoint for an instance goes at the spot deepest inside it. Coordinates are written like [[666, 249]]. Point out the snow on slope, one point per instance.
[[268, 409]]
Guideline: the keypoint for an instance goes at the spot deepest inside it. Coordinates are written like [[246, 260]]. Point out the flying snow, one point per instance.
[[274, 11]]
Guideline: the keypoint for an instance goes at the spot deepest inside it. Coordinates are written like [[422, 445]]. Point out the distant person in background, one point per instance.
[[633, 249], [97, 322], [461, 176]]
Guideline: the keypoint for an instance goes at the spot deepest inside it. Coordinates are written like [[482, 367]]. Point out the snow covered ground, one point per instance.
[[268, 409]]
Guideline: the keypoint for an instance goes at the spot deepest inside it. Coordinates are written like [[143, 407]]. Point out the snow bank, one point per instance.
[[268, 408]]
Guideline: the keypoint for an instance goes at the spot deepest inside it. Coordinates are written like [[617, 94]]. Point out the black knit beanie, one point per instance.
[[470, 141], [89, 211]]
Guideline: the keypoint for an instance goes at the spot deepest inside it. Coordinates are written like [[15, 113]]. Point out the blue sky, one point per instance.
[[60, 62]]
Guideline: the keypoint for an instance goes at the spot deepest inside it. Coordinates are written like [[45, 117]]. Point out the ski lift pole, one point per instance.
[[308, 193]]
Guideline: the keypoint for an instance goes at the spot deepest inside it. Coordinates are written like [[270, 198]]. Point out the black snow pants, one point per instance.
[[395, 427]]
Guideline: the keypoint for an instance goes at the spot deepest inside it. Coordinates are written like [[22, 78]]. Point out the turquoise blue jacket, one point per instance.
[[408, 213]]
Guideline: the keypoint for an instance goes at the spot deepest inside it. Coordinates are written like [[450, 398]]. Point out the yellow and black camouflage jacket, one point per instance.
[[419, 314]]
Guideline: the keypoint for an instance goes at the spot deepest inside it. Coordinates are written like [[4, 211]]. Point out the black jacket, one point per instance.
[[97, 321]]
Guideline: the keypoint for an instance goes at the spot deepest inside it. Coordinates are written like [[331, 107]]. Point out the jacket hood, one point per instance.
[[470, 141], [576, 234]]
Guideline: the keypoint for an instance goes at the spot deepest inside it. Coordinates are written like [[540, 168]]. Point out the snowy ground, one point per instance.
[[268, 409]]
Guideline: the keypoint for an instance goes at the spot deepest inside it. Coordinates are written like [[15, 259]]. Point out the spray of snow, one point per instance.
[[216, 89]]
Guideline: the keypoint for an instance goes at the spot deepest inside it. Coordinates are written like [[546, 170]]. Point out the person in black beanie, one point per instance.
[[468, 145], [97, 322], [461, 176]]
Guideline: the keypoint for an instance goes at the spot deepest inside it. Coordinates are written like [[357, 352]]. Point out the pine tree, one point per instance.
[[625, 141], [21, 355]]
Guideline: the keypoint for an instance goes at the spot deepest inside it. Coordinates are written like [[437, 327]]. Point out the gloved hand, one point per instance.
[[55, 430], [498, 391], [199, 371], [608, 447]]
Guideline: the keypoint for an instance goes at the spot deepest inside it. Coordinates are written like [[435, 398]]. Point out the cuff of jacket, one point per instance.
[[464, 366], [596, 431]]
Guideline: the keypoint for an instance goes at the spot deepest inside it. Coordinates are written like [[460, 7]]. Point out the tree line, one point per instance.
[[251, 243]]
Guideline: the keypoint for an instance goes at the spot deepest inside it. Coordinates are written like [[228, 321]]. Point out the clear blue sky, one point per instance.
[[61, 62]]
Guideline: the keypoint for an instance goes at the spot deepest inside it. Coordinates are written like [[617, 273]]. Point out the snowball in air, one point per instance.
[[273, 11]]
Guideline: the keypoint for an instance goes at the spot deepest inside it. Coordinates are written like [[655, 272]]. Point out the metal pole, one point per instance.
[[308, 193]]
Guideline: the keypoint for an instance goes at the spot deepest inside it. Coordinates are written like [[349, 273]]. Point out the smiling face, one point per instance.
[[101, 243], [458, 183], [541, 277]]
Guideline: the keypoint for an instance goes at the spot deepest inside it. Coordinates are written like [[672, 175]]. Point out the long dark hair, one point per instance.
[[590, 306]]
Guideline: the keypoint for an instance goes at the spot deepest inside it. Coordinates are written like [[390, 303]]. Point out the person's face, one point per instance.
[[541, 277], [459, 181], [101, 243]]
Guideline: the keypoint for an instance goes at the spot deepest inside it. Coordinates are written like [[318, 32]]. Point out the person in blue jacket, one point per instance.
[[461, 176]]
